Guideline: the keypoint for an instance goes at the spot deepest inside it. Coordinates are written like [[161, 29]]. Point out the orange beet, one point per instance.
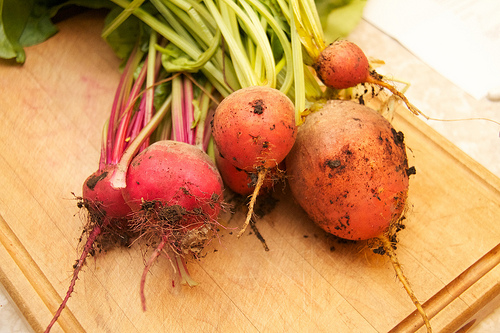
[[348, 170], [342, 65], [254, 127], [241, 181]]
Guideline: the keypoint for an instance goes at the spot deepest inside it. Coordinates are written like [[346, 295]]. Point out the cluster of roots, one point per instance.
[[152, 223], [115, 233], [187, 231]]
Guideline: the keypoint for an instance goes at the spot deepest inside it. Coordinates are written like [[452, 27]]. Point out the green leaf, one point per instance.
[[197, 113], [123, 39], [38, 26], [28, 22], [14, 16], [175, 60], [339, 17], [7, 50], [162, 91]]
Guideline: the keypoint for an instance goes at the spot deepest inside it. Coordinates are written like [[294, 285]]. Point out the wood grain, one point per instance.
[[51, 117]]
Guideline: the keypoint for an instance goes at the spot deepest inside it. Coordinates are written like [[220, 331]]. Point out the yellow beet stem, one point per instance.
[[298, 70], [313, 24], [226, 20], [124, 15]]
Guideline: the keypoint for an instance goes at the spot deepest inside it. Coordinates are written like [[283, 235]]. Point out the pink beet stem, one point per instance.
[[118, 178], [207, 132], [104, 150], [129, 106], [122, 91], [86, 250], [137, 123], [150, 262]]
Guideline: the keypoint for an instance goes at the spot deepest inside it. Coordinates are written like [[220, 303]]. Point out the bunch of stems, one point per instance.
[[237, 44]]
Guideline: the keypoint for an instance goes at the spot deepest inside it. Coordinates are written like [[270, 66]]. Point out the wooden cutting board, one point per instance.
[[51, 114]]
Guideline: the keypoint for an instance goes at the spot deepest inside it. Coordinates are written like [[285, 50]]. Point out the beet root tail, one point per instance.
[[260, 181], [375, 79], [86, 250], [402, 277], [150, 262]]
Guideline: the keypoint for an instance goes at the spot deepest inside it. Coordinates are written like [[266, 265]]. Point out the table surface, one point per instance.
[[433, 94]]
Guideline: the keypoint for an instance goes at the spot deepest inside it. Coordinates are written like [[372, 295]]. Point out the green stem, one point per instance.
[[239, 58], [150, 79], [173, 22], [285, 44], [177, 108], [199, 22], [284, 7], [210, 71], [313, 89], [313, 24], [198, 12], [298, 69], [258, 34], [128, 10], [203, 106]]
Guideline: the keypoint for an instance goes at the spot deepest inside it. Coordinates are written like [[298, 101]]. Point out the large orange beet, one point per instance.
[[348, 170]]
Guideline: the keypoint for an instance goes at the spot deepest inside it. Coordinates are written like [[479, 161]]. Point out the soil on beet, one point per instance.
[[377, 247], [187, 231], [116, 233], [94, 179]]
